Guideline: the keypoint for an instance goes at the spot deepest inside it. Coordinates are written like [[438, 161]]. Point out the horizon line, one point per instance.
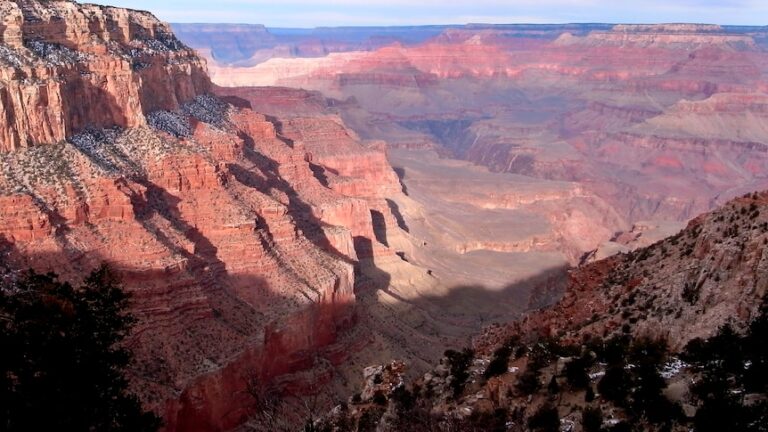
[[586, 23]]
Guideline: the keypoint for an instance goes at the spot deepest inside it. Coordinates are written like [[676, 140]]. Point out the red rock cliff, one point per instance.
[[66, 66], [236, 234]]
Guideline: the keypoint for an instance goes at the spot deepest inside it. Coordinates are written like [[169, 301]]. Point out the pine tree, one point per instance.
[[63, 366]]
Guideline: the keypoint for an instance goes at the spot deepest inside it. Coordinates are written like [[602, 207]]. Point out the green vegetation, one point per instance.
[[728, 372], [546, 419], [62, 363], [459, 362], [733, 378], [500, 360]]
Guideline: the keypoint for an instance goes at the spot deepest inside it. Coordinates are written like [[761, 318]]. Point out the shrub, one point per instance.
[[459, 362], [369, 421], [621, 427], [648, 352], [404, 399], [529, 383], [546, 419], [614, 385], [553, 388], [379, 398], [499, 363], [615, 350], [730, 364], [576, 373], [691, 292], [592, 419]]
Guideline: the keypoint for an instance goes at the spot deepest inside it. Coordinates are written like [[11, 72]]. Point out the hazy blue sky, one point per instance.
[[311, 13]]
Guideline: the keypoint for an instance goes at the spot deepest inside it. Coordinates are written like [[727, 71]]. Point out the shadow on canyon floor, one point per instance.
[[419, 327], [395, 209], [401, 178]]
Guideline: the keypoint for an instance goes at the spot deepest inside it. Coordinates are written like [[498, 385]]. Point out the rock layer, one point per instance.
[[661, 121], [66, 67], [237, 235]]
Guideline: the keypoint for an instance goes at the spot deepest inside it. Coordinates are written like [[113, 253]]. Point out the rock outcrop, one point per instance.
[[66, 67], [613, 351], [238, 235]]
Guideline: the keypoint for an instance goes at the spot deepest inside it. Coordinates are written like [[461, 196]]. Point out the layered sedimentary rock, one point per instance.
[[664, 36], [661, 121], [230, 273], [250, 44], [237, 235], [471, 245], [67, 66], [706, 283]]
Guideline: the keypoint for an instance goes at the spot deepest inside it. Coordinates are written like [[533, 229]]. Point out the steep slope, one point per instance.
[[683, 287], [471, 248], [237, 234], [668, 337]]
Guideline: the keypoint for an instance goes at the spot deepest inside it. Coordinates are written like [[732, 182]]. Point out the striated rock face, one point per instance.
[[223, 239], [684, 36], [237, 234], [662, 122], [67, 66]]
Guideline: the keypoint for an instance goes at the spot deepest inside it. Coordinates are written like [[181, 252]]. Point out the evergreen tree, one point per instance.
[[62, 366], [576, 373], [553, 388], [546, 419], [592, 419]]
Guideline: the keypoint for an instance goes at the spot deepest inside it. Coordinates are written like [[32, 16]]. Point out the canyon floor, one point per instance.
[[464, 259]]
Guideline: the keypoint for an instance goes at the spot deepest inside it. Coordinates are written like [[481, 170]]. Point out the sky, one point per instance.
[[315, 13]]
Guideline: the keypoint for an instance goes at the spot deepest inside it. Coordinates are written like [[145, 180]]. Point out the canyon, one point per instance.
[[236, 234], [622, 349], [256, 244], [663, 122], [292, 205], [527, 149]]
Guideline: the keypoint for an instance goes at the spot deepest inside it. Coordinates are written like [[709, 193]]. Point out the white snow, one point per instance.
[[672, 368]]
